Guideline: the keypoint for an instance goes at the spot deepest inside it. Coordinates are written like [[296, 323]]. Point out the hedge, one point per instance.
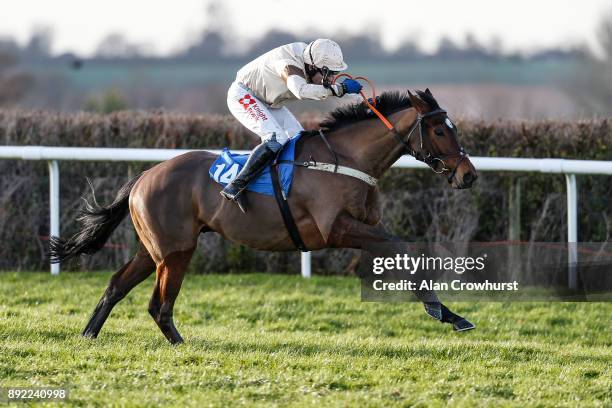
[[417, 205]]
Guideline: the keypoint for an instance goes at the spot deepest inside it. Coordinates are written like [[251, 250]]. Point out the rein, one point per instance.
[[430, 159]]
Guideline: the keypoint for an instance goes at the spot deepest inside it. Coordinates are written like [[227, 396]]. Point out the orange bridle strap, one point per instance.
[[372, 105]]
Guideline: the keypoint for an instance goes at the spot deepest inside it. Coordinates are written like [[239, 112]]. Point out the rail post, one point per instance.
[[306, 264], [514, 210], [54, 206], [572, 231]]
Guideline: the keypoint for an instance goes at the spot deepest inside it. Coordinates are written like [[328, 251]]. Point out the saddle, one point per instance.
[[228, 165]]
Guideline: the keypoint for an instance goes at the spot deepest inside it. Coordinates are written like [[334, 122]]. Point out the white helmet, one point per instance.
[[325, 53]]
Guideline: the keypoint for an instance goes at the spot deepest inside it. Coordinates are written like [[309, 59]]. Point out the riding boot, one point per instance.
[[259, 158]]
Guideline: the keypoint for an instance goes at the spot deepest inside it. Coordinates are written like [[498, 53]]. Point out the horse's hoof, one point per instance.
[[434, 310], [463, 325], [176, 341]]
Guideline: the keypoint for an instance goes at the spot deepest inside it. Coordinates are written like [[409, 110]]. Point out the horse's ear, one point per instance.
[[428, 92], [420, 105]]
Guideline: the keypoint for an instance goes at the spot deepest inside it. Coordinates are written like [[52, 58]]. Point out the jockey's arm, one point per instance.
[[297, 84]]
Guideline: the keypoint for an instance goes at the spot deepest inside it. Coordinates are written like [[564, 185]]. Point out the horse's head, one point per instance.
[[433, 140]]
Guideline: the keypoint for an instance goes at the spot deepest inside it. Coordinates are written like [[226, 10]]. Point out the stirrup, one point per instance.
[[231, 192], [242, 202], [238, 197]]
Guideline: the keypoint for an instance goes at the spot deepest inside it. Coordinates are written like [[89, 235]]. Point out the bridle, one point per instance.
[[430, 159]]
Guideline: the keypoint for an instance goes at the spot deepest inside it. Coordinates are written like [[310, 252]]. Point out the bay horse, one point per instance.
[[175, 201]]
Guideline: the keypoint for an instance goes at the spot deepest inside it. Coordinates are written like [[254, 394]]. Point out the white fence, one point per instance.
[[559, 166]]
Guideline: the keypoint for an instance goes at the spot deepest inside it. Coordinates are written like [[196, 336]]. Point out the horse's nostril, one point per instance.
[[467, 178]]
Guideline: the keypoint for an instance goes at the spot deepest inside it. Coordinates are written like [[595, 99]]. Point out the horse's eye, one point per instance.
[[439, 131]]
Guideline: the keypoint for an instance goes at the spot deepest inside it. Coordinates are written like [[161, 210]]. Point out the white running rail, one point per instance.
[[570, 168]]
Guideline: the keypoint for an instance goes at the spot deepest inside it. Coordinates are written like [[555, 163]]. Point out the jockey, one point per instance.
[[256, 98]]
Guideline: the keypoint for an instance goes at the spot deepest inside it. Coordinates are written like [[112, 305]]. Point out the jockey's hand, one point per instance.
[[350, 86]]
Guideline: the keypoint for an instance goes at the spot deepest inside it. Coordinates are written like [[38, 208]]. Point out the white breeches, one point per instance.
[[259, 118]]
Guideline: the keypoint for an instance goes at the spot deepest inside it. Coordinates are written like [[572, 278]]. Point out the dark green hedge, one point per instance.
[[418, 205]]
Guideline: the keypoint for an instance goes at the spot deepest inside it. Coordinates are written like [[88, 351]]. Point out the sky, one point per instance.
[[167, 26]]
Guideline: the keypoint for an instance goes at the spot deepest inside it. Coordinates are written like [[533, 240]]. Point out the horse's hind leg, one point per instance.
[[130, 275], [170, 274]]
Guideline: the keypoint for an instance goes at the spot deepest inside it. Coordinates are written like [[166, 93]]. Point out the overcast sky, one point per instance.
[[166, 26]]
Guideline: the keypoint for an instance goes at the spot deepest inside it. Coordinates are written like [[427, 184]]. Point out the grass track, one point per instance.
[[273, 339]]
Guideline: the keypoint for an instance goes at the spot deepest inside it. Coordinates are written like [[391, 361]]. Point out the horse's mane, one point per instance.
[[387, 103]]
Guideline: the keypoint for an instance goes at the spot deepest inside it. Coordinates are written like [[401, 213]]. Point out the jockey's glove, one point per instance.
[[350, 86]]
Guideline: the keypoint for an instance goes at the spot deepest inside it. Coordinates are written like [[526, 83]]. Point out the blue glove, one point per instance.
[[351, 86]]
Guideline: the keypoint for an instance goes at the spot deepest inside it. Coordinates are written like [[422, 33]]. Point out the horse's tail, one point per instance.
[[98, 224]]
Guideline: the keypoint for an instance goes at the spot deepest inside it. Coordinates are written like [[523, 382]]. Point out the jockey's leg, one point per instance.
[[252, 113], [260, 119], [264, 153], [288, 122]]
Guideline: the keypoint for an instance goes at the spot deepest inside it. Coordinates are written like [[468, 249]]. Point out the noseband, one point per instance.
[[429, 158]]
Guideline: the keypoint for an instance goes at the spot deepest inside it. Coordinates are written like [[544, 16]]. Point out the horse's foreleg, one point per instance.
[[130, 275], [351, 233], [170, 274]]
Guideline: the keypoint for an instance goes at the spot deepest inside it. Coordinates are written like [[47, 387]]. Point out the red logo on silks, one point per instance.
[[249, 103], [247, 100]]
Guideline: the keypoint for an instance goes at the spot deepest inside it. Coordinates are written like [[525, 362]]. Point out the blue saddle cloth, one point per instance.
[[228, 165]]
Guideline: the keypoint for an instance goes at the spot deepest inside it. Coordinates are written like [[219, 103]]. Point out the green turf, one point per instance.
[[282, 340]]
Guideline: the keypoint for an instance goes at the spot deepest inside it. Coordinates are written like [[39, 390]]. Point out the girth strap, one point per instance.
[[334, 168], [283, 206]]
